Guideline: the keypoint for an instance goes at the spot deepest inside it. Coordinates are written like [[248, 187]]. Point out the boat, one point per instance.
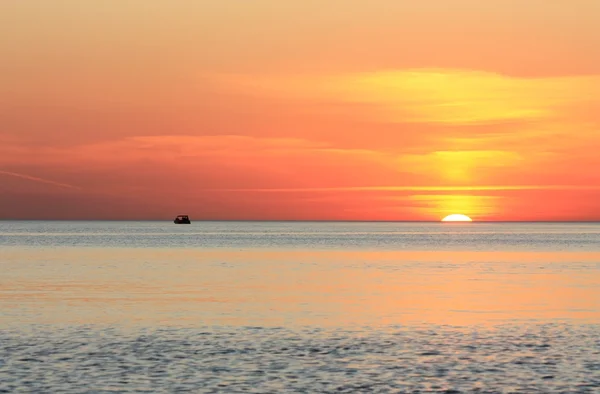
[[182, 219]]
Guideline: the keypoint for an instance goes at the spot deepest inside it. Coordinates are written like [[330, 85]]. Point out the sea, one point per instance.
[[299, 307]]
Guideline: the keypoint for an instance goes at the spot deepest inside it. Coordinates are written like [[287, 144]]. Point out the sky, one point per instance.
[[300, 109]]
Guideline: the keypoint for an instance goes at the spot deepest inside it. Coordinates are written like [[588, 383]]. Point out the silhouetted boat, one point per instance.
[[182, 219]]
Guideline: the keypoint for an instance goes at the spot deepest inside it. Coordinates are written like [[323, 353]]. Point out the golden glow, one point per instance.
[[436, 205], [438, 96], [461, 166], [457, 218]]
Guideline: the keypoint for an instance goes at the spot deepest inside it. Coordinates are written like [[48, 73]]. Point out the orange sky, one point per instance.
[[300, 109]]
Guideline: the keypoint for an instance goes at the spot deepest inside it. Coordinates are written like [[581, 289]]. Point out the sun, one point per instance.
[[457, 218]]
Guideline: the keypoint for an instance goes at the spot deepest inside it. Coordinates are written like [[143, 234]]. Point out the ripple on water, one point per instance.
[[544, 358]]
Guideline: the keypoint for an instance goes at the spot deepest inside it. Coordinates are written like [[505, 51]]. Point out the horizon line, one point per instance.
[[302, 220]]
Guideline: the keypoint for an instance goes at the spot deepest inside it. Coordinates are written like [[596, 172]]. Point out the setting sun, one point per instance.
[[457, 218]]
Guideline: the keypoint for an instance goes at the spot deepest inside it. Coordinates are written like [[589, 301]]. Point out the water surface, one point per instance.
[[319, 307]]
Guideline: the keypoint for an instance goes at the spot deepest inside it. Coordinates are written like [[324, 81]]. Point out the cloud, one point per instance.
[[135, 164], [426, 188], [443, 96]]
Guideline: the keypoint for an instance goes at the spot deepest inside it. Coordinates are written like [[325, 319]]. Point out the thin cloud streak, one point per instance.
[[40, 180], [414, 188]]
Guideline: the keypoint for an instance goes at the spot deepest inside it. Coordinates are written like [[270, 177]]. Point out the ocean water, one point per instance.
[[271, 307]]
